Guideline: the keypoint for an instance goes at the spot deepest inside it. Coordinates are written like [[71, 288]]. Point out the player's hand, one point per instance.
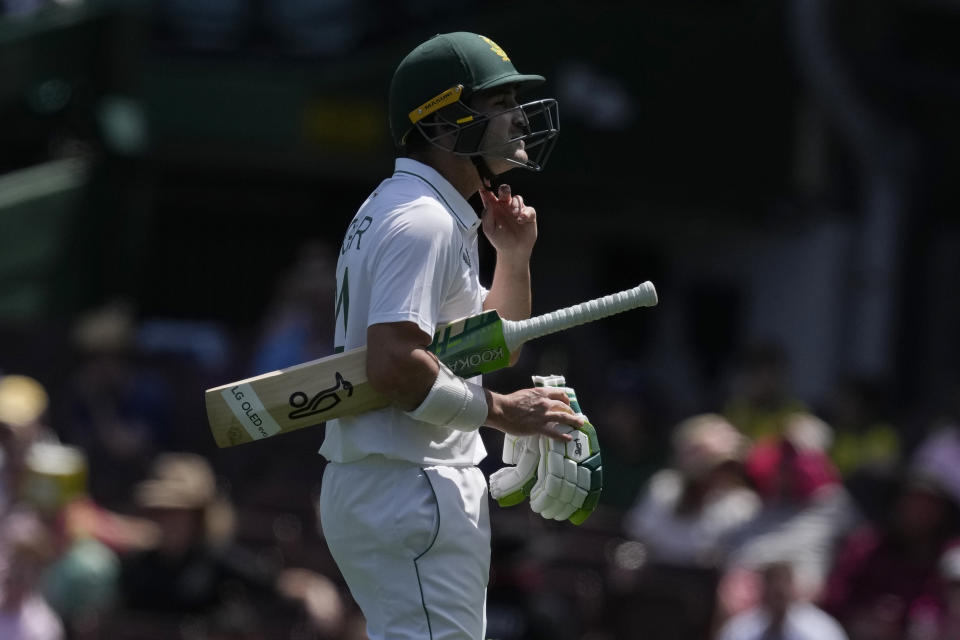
[[538, 411], [569, 474], [509, 224], [512, 484]]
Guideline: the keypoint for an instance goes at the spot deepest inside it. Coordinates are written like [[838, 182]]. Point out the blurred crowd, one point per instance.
[[760, 517], [166, 566], [748, 514]]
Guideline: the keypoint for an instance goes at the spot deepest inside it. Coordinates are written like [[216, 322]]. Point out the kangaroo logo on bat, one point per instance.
[[324, 400]]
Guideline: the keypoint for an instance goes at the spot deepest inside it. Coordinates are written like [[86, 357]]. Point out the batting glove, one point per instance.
[[569, 474], [511, 485]]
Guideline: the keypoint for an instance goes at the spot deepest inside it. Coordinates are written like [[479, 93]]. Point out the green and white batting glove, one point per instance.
[[569, 474], [511, 485]]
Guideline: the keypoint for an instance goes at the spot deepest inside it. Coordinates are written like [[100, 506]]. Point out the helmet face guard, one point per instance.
[[460, 129]]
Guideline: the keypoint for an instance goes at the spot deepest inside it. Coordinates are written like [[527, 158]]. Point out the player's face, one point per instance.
[[506, 124]]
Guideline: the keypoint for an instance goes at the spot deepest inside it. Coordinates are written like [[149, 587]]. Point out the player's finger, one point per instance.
[[565, 417], [554, 431], [516, 205], [487, 197], [527, 215], [503, 193], [554, 394]]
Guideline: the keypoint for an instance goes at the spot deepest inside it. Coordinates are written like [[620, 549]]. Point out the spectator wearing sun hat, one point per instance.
[[197, 571], [23, 405], [687, 509]]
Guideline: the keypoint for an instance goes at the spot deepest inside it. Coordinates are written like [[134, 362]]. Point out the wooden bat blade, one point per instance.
[[294, 398], [313, 392]]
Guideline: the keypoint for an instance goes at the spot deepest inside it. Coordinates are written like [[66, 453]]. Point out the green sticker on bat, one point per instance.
[[473, 345]]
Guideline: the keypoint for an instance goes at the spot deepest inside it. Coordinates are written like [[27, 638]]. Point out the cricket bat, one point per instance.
[[313, 392]]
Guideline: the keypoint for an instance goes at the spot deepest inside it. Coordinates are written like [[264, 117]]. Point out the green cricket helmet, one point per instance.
[[438, 78]]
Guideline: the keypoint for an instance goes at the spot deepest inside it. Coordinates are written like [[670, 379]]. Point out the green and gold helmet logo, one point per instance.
[[497, 49]]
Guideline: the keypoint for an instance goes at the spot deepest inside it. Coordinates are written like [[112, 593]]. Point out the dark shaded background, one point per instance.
[[784, 172]]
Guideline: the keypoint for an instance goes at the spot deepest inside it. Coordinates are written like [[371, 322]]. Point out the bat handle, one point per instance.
[[516, 332]]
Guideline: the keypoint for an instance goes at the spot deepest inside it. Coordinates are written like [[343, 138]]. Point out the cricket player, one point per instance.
[[403, 505]]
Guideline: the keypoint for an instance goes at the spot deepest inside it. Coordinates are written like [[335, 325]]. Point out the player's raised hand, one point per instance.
[[509, 224], [532, 411]]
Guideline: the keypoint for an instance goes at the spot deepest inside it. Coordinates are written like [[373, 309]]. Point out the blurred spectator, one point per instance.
[[805, 512], [633, 410], [939, 619], [23, 404], [81, 586], [25, 548], [299, 326], [49, 481], [867, 449], [81, 582], [663, 585], [761, 401], [937, 616], [183, 573], [780, 615], [864, 442], [195, 575], [119, 408], [937, 459], [687, 510], [886, 577]]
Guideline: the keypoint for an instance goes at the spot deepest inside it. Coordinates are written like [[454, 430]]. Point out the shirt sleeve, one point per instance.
[[409, 271]]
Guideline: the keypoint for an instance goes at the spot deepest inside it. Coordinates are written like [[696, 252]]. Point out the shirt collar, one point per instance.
[[455, 203]]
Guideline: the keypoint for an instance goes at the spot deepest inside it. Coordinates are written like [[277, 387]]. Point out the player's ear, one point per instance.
[[438, 131]]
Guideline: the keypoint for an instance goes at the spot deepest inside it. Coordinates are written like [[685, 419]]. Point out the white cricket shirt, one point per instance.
[[409, 254]]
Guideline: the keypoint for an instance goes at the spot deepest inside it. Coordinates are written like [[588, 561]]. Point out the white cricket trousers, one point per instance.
[[412, 543]]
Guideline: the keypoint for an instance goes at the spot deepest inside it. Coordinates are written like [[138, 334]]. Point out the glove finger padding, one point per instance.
[[512, 448], [510, 485], [569, 474]]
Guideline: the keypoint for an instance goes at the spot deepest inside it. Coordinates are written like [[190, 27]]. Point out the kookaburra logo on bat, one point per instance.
[[324, 400]]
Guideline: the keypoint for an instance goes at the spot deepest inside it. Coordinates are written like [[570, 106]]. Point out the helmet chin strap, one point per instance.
[[486, 175]]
